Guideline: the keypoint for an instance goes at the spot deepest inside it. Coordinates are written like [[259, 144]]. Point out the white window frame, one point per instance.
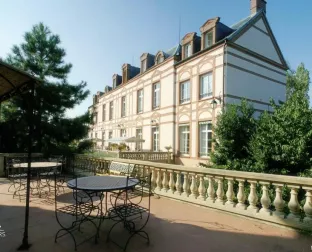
[[123, 133], [207, 41], [123, 106], [144, 65], [205, 142], [111, 110], [155, 138], [103, 112], [110, 134], [184, 139], [185, 92], [156, 95], [188, 50], [206, 88], [140, 98], [138, 134], [114, 82]]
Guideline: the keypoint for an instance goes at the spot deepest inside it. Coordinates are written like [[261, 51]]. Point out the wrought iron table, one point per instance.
[[94, 186]]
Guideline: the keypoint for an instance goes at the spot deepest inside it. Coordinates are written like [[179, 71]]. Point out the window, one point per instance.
[[123, 132], [103, 138], [205, 89], [156, 95], [208, 39], [160, 59], [110, 135], [185, 92], [205, 138], [155, 138], [95, 118], [124, 75], [143, 66], [111, 110], [187, 50], [104, 112], [140, 101], [95, 135], [114, 83], [184, 137], [138, 146], [123, 106]]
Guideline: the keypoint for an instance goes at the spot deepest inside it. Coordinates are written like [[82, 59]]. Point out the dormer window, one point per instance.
[[208, 39], [190, 44], [125, 76], [160, 57], [143, 66], [187, 50], [114, 83]]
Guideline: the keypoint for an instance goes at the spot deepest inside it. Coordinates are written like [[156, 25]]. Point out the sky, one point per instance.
[[101, 35]]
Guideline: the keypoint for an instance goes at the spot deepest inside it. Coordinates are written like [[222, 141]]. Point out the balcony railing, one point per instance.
[[268, 197], [163, 157]]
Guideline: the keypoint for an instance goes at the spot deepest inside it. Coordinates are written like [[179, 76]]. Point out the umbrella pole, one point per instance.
[[25, 245]]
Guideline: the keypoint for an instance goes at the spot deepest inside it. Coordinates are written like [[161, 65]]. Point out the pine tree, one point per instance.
[[42, 56]]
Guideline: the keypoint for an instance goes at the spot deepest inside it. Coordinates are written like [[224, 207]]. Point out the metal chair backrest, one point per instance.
[[123, 169]]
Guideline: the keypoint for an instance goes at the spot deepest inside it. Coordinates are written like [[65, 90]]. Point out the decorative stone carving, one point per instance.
[[171, 182], [308, 205], [178, 184], [165, 181], [158, 180], [201, 188], [211, 190], [186, 186], [220, 191], [293, 203], [193, 188]]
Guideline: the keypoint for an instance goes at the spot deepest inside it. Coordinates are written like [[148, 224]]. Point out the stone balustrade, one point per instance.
[[162, 157], [268, 197]]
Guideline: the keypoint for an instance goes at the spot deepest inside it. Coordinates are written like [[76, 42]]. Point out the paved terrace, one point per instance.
[[174, 226]]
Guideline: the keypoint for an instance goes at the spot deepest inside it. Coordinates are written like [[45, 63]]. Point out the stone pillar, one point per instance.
[[252, 197], [293, 203], [241, 194], [171, 182], [178, 184], [211, 190], [186, 187], [230, 192], [265, 199], [201, 188], [193, 188], [308, 205], [158, 180], [278, 202], [220, 191], [165, 181]]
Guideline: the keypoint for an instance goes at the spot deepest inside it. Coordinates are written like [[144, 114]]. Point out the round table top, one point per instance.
[[37, 165], [102, 183]]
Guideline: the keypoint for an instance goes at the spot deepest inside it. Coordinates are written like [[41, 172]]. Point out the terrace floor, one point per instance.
[[173, 226]]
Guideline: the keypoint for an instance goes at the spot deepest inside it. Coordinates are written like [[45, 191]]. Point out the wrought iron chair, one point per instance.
[[18, 178], [79, 206], [128, 208]]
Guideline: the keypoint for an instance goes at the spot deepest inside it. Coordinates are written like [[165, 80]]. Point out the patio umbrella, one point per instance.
[[13, 82]]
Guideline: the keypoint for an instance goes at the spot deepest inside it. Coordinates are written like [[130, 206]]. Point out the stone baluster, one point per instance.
[[194, 192], [178, 184], [153, 178], [252, 197], [158, 180], [186, 186], [171, 182], [308, 205], [265, 199], [241, 194], [230, 192], [201, 188], [220, 191], [165, 184], [211, 190], [293, 203], [278, 202]]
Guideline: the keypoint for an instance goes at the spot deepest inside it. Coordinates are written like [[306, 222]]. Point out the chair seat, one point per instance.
[[49, 173], [22, 175], [81, 209], [127, 210]]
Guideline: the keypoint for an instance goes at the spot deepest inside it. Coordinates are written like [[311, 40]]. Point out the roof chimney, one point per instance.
[[257, 5]]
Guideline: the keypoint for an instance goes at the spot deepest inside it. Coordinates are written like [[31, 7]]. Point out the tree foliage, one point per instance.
[[283, 140], [42, 56], [232, 132]]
